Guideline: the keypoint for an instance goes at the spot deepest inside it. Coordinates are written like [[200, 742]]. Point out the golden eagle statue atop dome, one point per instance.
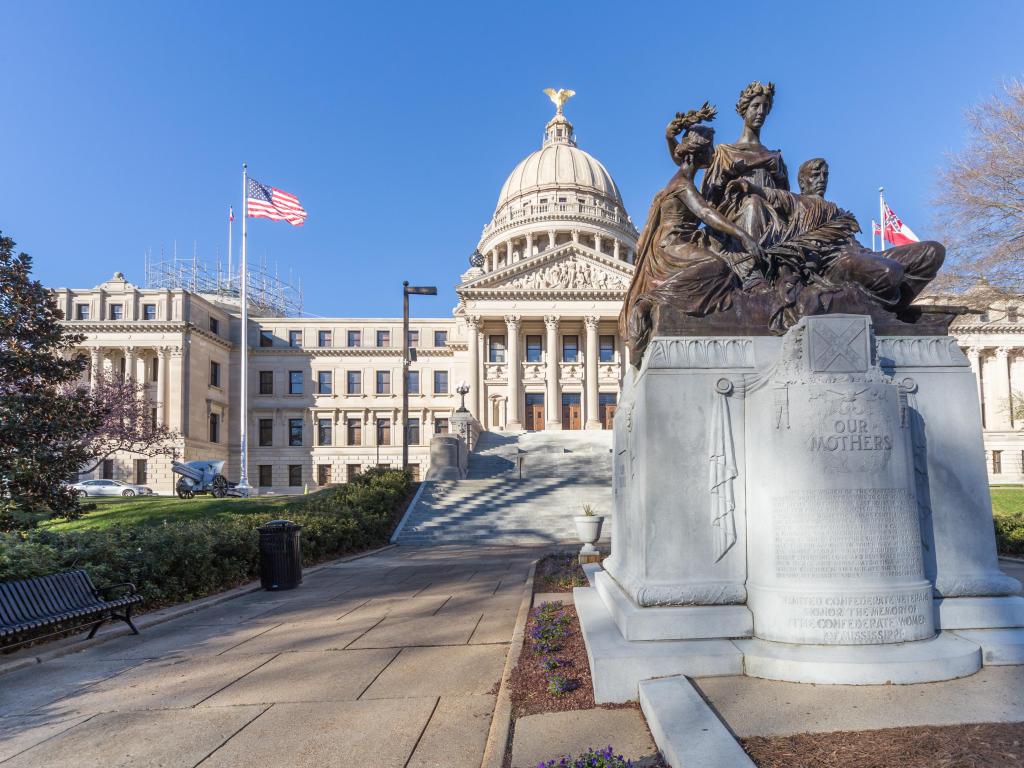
[[559, 97]]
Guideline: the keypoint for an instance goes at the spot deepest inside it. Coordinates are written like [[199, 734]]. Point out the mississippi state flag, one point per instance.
[[896, 232]]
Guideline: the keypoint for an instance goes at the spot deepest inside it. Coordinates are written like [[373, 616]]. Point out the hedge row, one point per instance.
[[175, 562], [1010, 533]]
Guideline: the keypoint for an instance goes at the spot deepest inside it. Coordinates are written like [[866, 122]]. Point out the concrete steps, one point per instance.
[[561, 472]]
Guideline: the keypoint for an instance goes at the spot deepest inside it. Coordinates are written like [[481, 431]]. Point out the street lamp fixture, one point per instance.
[[463, 390], [408, 290]]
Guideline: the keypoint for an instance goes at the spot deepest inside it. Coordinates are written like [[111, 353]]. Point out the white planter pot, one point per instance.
[[588, 527]]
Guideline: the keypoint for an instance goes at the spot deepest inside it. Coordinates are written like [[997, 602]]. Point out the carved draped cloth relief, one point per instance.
[[569, 274], [722, 472]]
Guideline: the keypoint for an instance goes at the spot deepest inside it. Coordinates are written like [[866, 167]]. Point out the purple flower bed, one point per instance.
[[549, 631], [602, 758]]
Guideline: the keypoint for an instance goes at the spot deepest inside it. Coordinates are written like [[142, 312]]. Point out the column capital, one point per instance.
[[592, 321], [975, 351], [551, 322], [473, 322], [1003, 352], [513, 322]]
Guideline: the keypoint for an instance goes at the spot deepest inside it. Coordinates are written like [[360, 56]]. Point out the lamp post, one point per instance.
[[407, 290], [463, 390]]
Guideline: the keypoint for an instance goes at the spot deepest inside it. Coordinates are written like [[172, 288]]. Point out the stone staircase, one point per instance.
[[561, 471]]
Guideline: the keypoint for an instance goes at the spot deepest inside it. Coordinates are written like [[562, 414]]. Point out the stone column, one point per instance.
[[130, 361], [593, 420], [515, 384], [494, 259], [974, 356], [95, 366], [508, 252], [615, 248], [474, 380], [1002, 399], [553, 395], [575, 235], [162, 360], [529, 245], [551, 238]]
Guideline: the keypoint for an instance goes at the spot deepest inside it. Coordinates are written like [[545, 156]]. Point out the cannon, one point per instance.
[[201, 477]]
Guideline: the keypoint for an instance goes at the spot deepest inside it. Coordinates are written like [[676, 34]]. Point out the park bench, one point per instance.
[[30, 607]]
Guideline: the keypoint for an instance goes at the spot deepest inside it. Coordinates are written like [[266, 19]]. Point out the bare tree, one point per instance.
[[981, 197], [127, 422]]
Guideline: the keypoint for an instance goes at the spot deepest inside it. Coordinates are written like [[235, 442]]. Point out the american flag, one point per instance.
[[265, 202]]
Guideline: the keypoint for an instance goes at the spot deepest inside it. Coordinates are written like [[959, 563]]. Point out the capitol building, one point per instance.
[[534, 337]]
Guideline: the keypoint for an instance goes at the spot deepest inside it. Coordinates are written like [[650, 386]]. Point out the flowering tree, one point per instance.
[[125, 422], [44, 419]]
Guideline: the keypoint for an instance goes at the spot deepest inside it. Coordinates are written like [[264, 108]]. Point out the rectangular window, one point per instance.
[[266, 475], [155, 370], [997, 462], [414, 432], [354, 382], [149, 311], [294, 432], [323, 338], [152, 419], [266, 338], [414, 339], [323, 431], [108, 469], [414, 382], [533, 349], [383, 382], [266, 382], [266, 433], [354, 339], [294, 382], [383, 431], [141, 471], [294, 475], [324, 382], [214, 427], [214, 325], [440, 338], [496, 349], [81, 312], [214, 374], [351, 470], [570, 349], [440, 426], [323, 474], [294, 338], [117, 311], [354, 430], [440, 382], [606, 349], [414, 472], [383, 338]]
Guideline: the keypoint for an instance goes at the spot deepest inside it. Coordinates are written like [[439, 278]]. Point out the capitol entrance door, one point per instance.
[[572, 412], [534, 411]]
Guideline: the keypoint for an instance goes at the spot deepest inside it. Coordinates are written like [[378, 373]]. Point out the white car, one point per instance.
[[110, 488]]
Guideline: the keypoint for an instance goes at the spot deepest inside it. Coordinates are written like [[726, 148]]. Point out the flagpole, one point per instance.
[[881, 220], [231, 226], [243, 416]]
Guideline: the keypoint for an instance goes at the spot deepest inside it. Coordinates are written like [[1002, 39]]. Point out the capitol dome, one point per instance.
[[557, 194]]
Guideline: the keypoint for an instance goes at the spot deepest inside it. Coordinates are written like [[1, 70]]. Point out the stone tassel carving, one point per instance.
[[722, 472]]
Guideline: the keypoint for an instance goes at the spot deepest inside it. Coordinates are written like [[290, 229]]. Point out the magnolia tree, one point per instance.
[[126, 422], [44, 419], [981, 199]]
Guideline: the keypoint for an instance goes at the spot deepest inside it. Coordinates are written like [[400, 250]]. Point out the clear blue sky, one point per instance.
[[125, 124]]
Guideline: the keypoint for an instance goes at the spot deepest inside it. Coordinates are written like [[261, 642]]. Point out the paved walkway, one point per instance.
[[391, 660]]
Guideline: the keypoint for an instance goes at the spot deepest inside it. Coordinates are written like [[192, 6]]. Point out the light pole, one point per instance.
[[463, 390], [421, 290]]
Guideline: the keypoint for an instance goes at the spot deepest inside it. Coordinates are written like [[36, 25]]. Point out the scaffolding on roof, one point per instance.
[[268, 294]]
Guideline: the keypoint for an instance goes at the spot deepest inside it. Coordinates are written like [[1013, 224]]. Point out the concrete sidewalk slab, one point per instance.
[[306, 636], [754, 707], [306, 676], [20, 733], [494, 627], [165, 684], [550, 736], [456, 734], [28, 689], [442, 671], [173, 640], [403, 631], [356, 733], [130, 739]]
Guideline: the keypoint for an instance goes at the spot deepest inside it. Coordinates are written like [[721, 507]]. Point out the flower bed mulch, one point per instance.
[[988, 745], [559, 573]]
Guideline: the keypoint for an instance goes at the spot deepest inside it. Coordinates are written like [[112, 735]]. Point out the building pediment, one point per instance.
[[569, 270]]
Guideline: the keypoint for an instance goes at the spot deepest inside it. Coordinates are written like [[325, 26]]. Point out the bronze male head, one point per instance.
[[813, 177]]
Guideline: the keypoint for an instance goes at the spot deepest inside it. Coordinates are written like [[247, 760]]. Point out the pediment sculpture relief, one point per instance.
[[569, 274]]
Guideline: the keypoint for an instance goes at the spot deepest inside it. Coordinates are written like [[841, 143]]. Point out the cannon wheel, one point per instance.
[[219, 486], [183, 490]]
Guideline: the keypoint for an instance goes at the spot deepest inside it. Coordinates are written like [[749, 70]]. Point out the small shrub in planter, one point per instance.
[[559, 684], [602, 758]]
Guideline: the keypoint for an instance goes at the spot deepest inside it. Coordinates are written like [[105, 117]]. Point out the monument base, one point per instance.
[[979, 612], [999, 647]]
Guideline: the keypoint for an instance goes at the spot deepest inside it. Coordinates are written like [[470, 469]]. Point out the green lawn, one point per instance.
[[1008, 499], [154, 510]]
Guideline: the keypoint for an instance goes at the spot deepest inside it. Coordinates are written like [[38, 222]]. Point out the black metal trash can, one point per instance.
[[280, 555]]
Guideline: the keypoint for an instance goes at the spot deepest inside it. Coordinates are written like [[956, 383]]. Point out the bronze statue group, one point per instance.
[[745, 255]]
